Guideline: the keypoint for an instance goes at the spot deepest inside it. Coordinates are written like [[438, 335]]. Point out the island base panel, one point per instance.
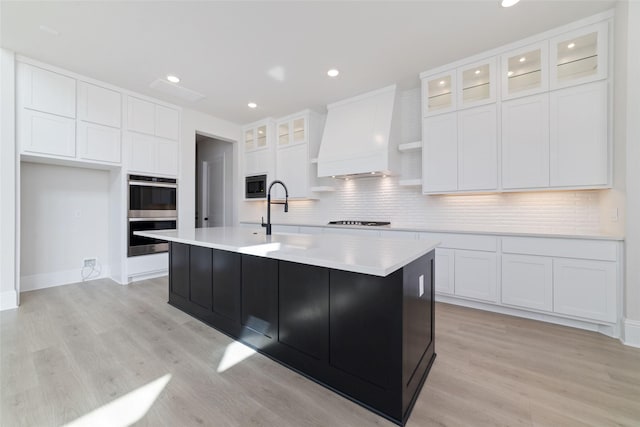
[[369, 338]]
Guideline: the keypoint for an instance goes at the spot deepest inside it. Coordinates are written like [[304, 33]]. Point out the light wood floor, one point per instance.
[[72, 349]]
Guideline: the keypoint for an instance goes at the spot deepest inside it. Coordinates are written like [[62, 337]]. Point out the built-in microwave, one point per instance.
[[255, 187]]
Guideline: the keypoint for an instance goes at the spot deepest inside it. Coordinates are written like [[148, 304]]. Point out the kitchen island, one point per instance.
[[355, 314]]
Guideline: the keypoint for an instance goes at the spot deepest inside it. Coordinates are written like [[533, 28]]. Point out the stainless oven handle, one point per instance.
[[152, 219], [153, 184]]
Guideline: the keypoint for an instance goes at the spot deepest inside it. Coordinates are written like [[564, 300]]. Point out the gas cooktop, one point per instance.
[[366, 223]]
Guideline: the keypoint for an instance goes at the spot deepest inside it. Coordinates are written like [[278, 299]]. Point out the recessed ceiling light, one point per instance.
[[252, 105], [333, 72], [508, 3], [477, 71], [571, 45], [523, 59], [510, 73], [441, 82], [173, 79]]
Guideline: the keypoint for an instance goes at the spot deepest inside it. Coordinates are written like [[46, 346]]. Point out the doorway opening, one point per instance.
[[214, 182]]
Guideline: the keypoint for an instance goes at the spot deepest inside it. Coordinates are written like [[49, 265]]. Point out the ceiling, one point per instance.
[[273, 53]]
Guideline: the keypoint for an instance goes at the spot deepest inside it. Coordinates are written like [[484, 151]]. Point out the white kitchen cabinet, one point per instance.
[[97, 142], [167, 122], [440, 153], [585, 288], [525, 71], [478, 149], [167, 156], [99, 105], [527, 281], [46, 91], [475, 275], [580, 56], [579, 145], [152, 155], [259, 154], [445, 271], [439, 94], [525, 142], [141, 115], [292, 165], [477, 83], [46, 133]]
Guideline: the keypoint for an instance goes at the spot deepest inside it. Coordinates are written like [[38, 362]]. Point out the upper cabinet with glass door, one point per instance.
[[525, 71], [477, 84], [439, 94], [579, 56], [256, 136], [292, 131]]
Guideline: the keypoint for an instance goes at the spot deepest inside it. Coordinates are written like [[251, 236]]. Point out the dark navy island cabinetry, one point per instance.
[[368, 337]]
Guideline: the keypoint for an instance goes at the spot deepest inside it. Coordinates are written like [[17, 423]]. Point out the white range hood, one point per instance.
[[361, 136]]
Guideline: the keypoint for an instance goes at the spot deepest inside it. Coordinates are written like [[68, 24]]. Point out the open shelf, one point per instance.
[[322, 189]]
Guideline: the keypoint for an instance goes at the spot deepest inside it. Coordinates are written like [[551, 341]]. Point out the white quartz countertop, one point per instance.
[[360, 254], [494, 232]]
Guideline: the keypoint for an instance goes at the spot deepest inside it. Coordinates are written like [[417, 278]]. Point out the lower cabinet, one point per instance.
[[585, 288], [475, 275], [226, 292], [201, 277], [445, 271], [303, 302], [527, 281], [179, 266], [368, 308], [260, 297]]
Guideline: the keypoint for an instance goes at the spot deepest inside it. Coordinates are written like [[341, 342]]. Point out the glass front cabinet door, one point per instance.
[[439, 94], [291, 132], [579, 56], [249, 139], [477, 84], [525, 71]]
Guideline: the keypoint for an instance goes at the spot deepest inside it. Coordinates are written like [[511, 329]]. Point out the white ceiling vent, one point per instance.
[[173, 89]]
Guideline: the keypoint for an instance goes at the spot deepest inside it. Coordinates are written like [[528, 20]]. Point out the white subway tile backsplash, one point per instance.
[[381, 199]]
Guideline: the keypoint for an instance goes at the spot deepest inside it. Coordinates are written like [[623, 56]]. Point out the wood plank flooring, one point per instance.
[[70, 350]]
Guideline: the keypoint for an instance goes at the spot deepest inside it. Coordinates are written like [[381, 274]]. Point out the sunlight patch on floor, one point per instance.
[[235, 353], [125, 410]]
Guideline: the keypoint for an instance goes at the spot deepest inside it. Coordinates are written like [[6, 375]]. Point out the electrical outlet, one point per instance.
[[90, 262]]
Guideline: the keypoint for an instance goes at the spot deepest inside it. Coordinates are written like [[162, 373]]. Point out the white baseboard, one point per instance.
[[631, 332], [611, 330], [148, 275], [57, 278], [8, 300]]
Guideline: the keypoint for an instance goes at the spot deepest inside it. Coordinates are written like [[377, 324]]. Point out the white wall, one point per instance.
[[204, 124], [65, 218], [632, 243], [9, 296]]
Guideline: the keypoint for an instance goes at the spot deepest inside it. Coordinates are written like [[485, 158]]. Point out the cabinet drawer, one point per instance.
[[565, 248], [463, 241]]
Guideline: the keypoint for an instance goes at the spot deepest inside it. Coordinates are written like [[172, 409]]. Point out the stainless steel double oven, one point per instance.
[[152, 206]]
